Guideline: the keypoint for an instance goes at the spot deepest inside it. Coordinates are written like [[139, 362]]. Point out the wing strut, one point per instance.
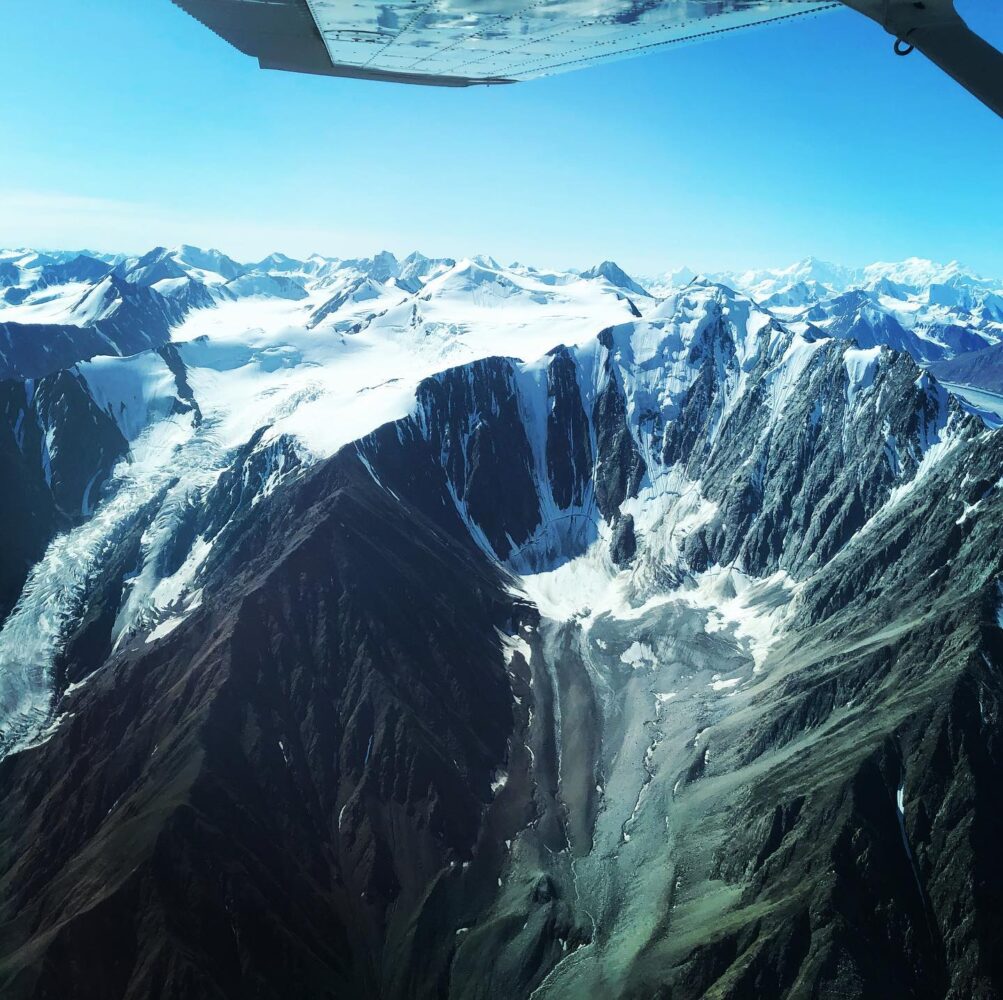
[[940, 33]]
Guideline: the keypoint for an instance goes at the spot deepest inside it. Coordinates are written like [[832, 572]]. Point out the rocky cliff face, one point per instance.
[[56, 450], [784, 785], [663, 666]]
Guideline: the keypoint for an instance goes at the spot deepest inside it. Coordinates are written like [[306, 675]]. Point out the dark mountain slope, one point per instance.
[[864, 834], [258, 804], [981, 369], [83, 267], [120, 318]]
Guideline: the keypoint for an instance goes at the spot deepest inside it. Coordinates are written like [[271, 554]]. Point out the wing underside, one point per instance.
[[463, 42], [457, 43]]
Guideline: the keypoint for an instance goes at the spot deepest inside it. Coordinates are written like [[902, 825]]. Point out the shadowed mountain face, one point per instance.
[[57, 448], [112, 316], [282, 783], [982, 369], [666, 665]]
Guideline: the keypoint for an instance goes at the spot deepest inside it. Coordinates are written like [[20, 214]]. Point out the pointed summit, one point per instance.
[[156, 265], [279, 262], [206, 262], [615, 275]]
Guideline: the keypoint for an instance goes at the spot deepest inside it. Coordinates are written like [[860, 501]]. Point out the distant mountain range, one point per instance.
[[433, 628], [932, 311]]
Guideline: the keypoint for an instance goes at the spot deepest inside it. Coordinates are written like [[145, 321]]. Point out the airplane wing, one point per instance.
[[463, 42], [459, 43]]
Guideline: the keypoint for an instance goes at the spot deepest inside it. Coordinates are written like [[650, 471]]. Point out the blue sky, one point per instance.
[[125, 124]]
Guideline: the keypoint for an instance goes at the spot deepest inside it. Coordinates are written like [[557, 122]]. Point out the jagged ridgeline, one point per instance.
[[351, 656]]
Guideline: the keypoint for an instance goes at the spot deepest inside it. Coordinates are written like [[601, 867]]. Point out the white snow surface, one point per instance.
[[860, 368]]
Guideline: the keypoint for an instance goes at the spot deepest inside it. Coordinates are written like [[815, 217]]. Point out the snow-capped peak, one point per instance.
[[207, 263], [615, 275]]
